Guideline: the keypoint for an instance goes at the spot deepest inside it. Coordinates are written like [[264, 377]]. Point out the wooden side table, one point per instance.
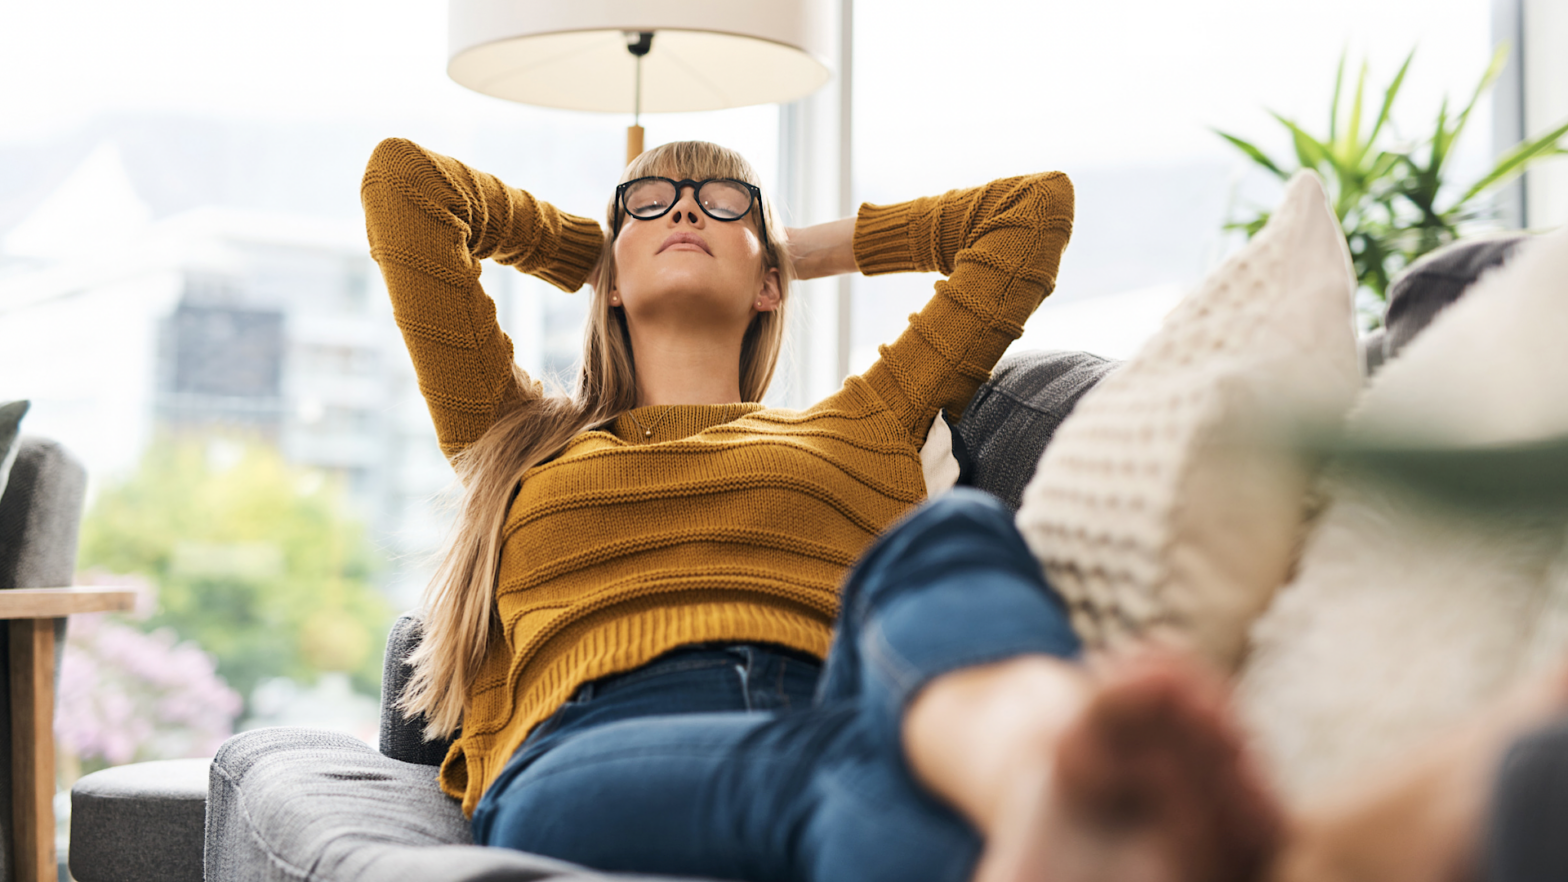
[[32, 612]]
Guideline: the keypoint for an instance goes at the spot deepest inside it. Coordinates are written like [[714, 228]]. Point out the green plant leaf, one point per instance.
[[1517, 160], [1382, 165], [1388, 99], [1442, 137], [1257, 155], [1310, 152], [1333, 106], [1349, 149]]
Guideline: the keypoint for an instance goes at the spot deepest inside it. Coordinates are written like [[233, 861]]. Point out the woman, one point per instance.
[[629, 624]]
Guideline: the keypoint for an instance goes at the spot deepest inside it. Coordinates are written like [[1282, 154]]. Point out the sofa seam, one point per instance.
[[250, 825]]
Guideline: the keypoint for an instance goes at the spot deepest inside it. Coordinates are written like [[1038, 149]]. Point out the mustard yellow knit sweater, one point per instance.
[[735, 522]]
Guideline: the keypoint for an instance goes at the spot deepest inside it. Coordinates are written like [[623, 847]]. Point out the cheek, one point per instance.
[[626, 266]]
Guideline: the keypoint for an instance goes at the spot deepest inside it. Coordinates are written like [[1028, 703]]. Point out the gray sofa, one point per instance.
[[284, 804]]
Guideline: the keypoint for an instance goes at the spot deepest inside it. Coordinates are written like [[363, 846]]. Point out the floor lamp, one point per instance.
[[630, 56]]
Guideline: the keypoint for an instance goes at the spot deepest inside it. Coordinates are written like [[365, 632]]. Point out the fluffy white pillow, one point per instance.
[[1408, 613], [1153, 510]]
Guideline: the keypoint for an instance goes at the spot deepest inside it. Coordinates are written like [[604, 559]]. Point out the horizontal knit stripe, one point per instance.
[[709, 537], [840, 488], [587, 447], [663, 576], [816, 503], [438, 334], [462, 405], [603, 446], [387, 255]]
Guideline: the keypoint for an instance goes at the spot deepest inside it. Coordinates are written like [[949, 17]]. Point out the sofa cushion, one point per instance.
[[1412, 609], [1433, 283], [1524, 837], [292, 804], [140, 823], [1157, 511], [1016, 413]]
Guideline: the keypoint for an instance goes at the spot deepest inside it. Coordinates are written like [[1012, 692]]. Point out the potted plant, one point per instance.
[[1393, 197]]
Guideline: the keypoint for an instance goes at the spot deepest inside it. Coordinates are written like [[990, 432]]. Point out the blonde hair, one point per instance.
[[461, 623]]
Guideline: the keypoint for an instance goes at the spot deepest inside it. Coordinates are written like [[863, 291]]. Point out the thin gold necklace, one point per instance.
[[647, 431]]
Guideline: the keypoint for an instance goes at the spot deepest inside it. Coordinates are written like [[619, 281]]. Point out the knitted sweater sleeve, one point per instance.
[[999, 246], [431, 220]]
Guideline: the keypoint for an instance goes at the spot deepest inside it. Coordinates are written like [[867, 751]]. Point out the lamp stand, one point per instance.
[[633, 143], [637, 43]]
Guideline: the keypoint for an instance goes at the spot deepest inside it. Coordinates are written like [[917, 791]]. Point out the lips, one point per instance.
[[684, 238]]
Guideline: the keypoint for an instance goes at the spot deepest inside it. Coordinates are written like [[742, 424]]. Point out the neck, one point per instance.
[[681, 369]]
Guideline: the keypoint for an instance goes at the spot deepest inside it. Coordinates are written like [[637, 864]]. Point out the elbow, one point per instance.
[[1051, 198], [1051, 212], [393, 159]]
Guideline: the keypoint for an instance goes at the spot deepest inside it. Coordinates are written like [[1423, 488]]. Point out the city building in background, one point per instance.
[[238, 324]]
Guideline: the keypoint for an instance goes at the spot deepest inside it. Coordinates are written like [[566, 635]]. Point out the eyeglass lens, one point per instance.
[[720, 199]]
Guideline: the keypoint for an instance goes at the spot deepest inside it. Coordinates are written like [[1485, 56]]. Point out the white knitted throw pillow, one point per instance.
[[1408, 613], [1153, 511]]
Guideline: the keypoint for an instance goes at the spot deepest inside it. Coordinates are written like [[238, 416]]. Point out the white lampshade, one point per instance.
[[707, 54]]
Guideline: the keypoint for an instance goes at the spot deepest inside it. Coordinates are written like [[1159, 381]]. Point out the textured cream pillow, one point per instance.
[[937, 460], [1408, 614], [1151, 511]]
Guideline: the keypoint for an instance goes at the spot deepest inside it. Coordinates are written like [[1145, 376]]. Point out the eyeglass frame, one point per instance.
[[680, 186]]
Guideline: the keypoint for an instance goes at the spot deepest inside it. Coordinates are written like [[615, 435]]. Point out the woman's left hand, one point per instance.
[[823, 249]]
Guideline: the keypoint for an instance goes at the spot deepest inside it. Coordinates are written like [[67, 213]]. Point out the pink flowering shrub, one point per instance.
[[128, 696]]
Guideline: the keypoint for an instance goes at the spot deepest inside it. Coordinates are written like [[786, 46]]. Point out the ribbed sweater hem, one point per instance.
[[613, 642], [576, 252]]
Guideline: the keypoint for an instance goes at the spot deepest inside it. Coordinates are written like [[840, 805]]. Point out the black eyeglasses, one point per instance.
[[723, 199]]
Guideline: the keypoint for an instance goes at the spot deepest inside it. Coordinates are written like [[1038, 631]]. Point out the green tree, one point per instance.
[[256, 561]]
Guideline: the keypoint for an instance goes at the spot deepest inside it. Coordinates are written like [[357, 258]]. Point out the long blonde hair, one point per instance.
[[459, 604]]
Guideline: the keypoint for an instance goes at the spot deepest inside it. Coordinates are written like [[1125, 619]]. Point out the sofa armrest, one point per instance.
[[402, 738]]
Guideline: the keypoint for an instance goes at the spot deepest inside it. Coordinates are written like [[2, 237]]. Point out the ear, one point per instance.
[[768, 293]]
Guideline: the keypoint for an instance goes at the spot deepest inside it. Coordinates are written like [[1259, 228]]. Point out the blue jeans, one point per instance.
[[745, 762]]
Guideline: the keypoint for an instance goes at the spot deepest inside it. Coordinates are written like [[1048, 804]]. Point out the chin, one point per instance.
[[687, 302]]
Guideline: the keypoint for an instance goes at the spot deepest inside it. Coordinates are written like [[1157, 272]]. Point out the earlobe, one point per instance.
[[768, 295]]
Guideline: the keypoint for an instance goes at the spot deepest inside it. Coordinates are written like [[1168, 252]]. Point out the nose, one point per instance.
[[686, 204]]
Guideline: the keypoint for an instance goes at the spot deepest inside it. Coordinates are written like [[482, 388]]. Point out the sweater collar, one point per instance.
[[676, 421]]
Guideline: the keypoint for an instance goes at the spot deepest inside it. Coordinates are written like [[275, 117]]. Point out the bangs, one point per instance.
[[695, 160]]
